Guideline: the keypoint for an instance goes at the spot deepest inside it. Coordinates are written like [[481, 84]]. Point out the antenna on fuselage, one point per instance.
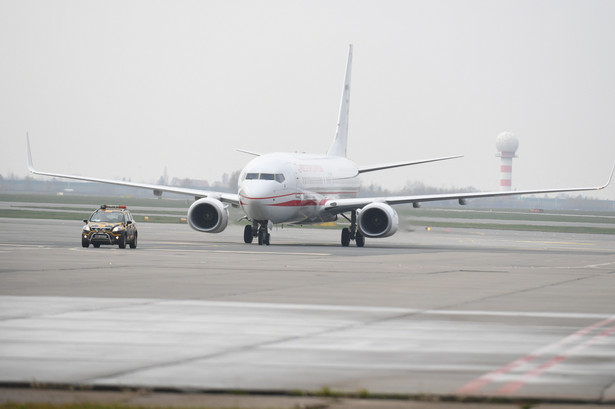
[[338, 147]]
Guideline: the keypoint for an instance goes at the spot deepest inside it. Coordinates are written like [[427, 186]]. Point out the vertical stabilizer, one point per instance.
[[338, 148]]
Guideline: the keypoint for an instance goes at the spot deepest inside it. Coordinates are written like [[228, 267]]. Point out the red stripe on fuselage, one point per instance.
[[297, 193], [269, 197], [299, 203]]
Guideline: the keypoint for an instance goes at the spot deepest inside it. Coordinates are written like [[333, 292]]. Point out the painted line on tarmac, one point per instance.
[[599, 265], [477, 384], [277, 253], [556, 242], [22, 245], [513, 386], [209, 250]]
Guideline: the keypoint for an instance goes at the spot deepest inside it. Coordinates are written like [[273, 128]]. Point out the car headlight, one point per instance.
[[118, 228], [86, 228]]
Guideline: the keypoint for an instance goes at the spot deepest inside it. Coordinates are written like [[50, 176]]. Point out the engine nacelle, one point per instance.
[[378, 220], [208, 215]]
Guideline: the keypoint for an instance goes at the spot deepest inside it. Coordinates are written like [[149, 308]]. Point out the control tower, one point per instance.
[[507, 144]]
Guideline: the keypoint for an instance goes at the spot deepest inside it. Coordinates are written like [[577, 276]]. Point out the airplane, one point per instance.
[[303, 189]]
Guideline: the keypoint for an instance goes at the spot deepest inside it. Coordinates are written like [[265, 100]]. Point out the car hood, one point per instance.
[[102, 225]]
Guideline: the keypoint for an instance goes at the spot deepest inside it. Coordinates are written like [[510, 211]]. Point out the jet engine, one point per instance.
[[208, 215], [378, 220]]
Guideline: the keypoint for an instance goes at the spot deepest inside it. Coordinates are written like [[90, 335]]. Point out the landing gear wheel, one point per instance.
[[360, 240], [85, 243], [248, 235], [133, 243], [261, 239], [122, 242], [267, 239], [345, 237]]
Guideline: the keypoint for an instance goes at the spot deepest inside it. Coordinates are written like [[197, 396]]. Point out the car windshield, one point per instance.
[[113, 217]]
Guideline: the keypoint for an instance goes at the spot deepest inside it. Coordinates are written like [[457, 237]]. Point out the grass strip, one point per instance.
[[511, 215], [519, 227], [47, 215], [94, 200]]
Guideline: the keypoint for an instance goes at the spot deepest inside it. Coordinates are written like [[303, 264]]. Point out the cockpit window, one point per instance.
[[278, 177]]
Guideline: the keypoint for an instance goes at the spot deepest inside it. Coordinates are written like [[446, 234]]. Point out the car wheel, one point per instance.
[[133, 243], [85, 243], [122, 242]]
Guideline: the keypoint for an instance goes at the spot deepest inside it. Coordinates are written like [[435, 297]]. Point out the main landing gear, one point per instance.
[[259, 230], [352, 233]]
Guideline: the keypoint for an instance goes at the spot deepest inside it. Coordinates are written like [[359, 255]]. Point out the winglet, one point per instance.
[[609, 181], [372, 168], [30, 165], [338, 147]]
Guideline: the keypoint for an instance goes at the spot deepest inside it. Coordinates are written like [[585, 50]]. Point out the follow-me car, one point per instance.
[[110, 225]]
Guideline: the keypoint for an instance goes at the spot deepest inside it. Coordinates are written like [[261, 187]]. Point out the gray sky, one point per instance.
[[127, 88]]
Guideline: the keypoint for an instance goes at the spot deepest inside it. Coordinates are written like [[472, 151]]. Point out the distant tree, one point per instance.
[[233, 180]]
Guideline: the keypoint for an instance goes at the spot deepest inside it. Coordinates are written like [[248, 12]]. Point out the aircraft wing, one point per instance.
[[157, 189], [248, 152], [344, 205], [364, 169]]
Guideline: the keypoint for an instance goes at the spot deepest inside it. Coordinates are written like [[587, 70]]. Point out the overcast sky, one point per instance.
[[125, 89]]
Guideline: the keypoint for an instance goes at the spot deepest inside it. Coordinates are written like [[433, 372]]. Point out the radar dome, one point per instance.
[[507, 142]]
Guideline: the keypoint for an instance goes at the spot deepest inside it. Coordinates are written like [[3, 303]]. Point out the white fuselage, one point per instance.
[[294, 188]]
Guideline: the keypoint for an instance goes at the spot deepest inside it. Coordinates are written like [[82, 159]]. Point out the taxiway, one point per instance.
[[444, 312]]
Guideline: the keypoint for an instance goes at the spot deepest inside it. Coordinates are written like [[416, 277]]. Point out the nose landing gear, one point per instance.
[[259, 230]]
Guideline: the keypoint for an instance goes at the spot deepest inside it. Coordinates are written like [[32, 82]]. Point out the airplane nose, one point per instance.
[[256, 198]]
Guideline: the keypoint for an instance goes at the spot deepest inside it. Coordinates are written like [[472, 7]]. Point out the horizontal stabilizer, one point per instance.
[[364, 169], [248, 152]]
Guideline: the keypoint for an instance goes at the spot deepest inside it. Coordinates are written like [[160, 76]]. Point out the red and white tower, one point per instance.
[[507, 144]]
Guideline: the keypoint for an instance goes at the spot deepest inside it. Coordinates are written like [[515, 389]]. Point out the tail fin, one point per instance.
[[338, 147]]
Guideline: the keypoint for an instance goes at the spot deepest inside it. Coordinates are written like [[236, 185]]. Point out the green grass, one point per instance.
[[94, 200], [32, 206], [518, 227], [502, 214], [179, 212], [43, 214]]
